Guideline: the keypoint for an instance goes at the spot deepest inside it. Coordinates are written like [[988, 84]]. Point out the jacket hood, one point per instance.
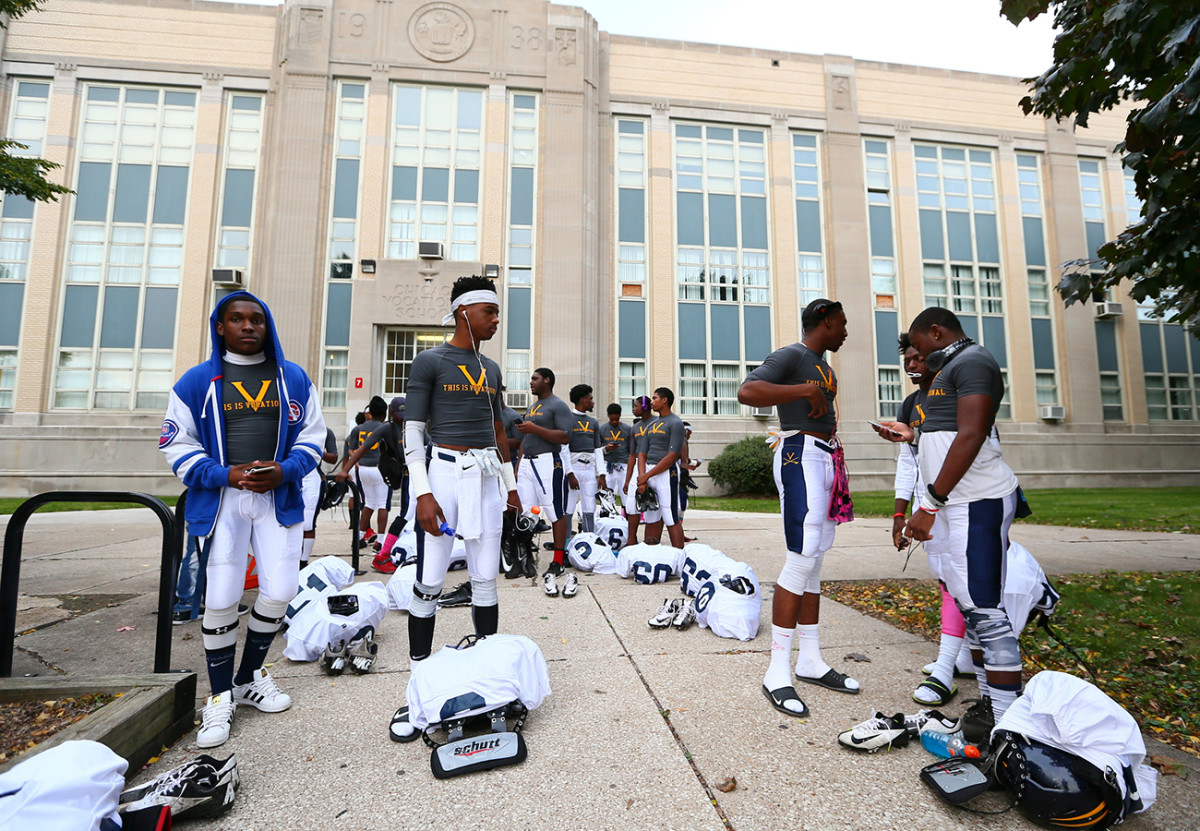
[[271, 345]]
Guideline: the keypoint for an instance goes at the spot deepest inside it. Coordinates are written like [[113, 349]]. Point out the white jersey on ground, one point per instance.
[[73, 785], [405, 549], [400, 587], [648, 564], [495, 671], [702, 561], [587, 552], [613, 530], [314, 627], [727, 613], [1024, 583], [319, 578]]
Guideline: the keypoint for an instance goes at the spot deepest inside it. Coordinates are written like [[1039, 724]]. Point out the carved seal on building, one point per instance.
[[441, 31]]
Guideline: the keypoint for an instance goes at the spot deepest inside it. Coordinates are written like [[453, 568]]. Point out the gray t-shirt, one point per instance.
[[584, 433], [511, 418], [456, 395], [663, 435], [797, 364], [361, 434], [972, 371], [250, 401], [552, 413], [619, 434], [389, 433], [331, 445]]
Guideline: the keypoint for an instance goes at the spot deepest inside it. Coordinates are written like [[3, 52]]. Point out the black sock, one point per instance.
[[486, 619], [254, 655], [420, 636], [220, 668]]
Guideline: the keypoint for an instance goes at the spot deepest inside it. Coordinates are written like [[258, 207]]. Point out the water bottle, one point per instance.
[[946, 745]]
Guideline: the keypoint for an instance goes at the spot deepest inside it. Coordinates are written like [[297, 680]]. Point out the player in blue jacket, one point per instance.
[[242, 430]]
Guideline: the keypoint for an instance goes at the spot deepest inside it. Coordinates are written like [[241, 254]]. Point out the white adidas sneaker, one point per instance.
[[262, 693]]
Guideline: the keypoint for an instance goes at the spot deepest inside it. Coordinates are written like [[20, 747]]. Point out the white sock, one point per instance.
[[1002, 700], [948, 652], [963, 663], [306, 550], [808, 651], [778, 673]]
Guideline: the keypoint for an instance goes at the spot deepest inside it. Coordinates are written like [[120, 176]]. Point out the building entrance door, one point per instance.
[[400, 346]]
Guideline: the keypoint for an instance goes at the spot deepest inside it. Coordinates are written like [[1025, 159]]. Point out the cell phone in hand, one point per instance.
[[883, 429], [258, 470]]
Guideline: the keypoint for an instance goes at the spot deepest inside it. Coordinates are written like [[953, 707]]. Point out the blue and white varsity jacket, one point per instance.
[[193, 434]]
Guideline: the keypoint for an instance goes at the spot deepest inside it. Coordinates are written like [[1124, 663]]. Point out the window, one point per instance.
[[125, 251], [1091, 196], [1037, 282], [399, 348], [810, 262], [722, 262], [243, 143], [890, 392], [437, 136], [880, 222], [522, 242], [1171, 364]]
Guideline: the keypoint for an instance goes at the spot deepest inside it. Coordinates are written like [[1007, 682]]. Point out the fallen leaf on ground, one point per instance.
[[126, 628], [1168, 767], [856, 656], [727, 785]]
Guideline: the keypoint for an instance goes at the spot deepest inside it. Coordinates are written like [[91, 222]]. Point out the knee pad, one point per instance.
[[483, 592], [219, 627], [424, 602], [801, 574], [1001, 651], [266, 615]]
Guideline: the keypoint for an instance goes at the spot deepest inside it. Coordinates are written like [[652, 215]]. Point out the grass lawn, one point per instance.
[[1139, 631], [9, 504], [1128, 509]]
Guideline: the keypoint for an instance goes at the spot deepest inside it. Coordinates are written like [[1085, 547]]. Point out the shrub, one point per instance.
[[745, 467]]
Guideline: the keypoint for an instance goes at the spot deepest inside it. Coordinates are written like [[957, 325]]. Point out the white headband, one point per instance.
[[469, 298]]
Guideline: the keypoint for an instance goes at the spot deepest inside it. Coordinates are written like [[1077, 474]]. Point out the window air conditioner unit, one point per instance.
[[762, 412], [1052, 413], [1107, 309], [229, 277], [519, 401], [431, 250]]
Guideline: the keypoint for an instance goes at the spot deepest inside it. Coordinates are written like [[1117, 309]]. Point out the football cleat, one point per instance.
[[606, 503], [383, 564], [334, 659], [647, 500], [933, 720], [978, 721], [665, 615], [193, 791], [550, 584], [570, 586], [216, 720], [686, 615], [458, 596], [876, 733], [363, 653], [739, 584], [262, 693], [202, 768]]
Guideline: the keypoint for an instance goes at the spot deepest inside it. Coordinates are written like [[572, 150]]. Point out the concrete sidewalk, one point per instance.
[[603, 750]]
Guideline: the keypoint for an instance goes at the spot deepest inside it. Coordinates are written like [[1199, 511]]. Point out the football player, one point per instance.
[[616, 437], [387, 437], [637, 443], [800, 383], [587, 461], [242, 430], [377, 496], [658, 464], [313, 486], [454, 393]]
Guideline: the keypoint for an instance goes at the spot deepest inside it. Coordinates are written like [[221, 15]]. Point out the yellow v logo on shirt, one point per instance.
[[535, 410], [584, 427], [921, 413], [614, 435], [658, 428], [826, 378], [476, 385], [257, 402]]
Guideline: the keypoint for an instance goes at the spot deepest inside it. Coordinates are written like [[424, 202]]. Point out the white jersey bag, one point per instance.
[[494, 671], [649, 564], [613, 530], [587, 552], [729, 614], [314, 627], [405, 549], [332, 571], [74, 785], [1023, 585]]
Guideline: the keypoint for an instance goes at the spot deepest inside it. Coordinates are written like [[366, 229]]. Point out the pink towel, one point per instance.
[[841, 506]]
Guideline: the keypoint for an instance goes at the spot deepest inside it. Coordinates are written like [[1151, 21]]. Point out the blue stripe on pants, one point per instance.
[[985, 552], [560, 489], [674, 486], [795, 492]]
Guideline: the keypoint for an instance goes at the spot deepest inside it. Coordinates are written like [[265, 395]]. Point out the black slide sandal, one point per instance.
[[779, 696], [401, 717], [832, 680]]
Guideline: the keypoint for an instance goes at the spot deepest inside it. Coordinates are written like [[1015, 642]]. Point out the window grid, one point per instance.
[[126, 234], [1110, 396], [399, 348], [437, 135], [1133, 204], [243, 145], [810, 262], [890, 393], [1091, 191], [631, 382], [343, 228], [631, 174], [1046, 387], [1172, 387], [1029, 185], [521, 250], [877, 160]]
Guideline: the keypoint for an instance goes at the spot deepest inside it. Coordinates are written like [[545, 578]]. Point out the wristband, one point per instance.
[[508, 477], [898, 513], [928, 510]]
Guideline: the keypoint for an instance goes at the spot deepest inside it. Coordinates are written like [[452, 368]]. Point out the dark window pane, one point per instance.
[[30, 89], [79, 316], [170, 195], [690, 218], [1035, 243], [924, 151], [1194, 343], [693, 332], [954, 154], [133, 193], [337, 314], [881, 231], [726, 340], [757, 332], [631, 341], [239, 198], [181, 99], [877, 147], [247, 102], [345, 189], [518, 313], [631, 215], [1043, 344], [524, 102], [435, 184], [986, 241], [404, 183], [1106, 345], [11, 297], [1095, 238], [931, 235], [141, 96], [750, 136], [466, 187], [633, 127], [887, 350], [353, 91], [1173, 337], [521, 195], [1152, 359], [119, 326], [720, 133], [808, 226], [754, 222], [958, 229], [722, 220], [158, 321], [994, 341], [687, 130], [103, 94], [341, 271], [91, 193], [970, 325], [17, 206]]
